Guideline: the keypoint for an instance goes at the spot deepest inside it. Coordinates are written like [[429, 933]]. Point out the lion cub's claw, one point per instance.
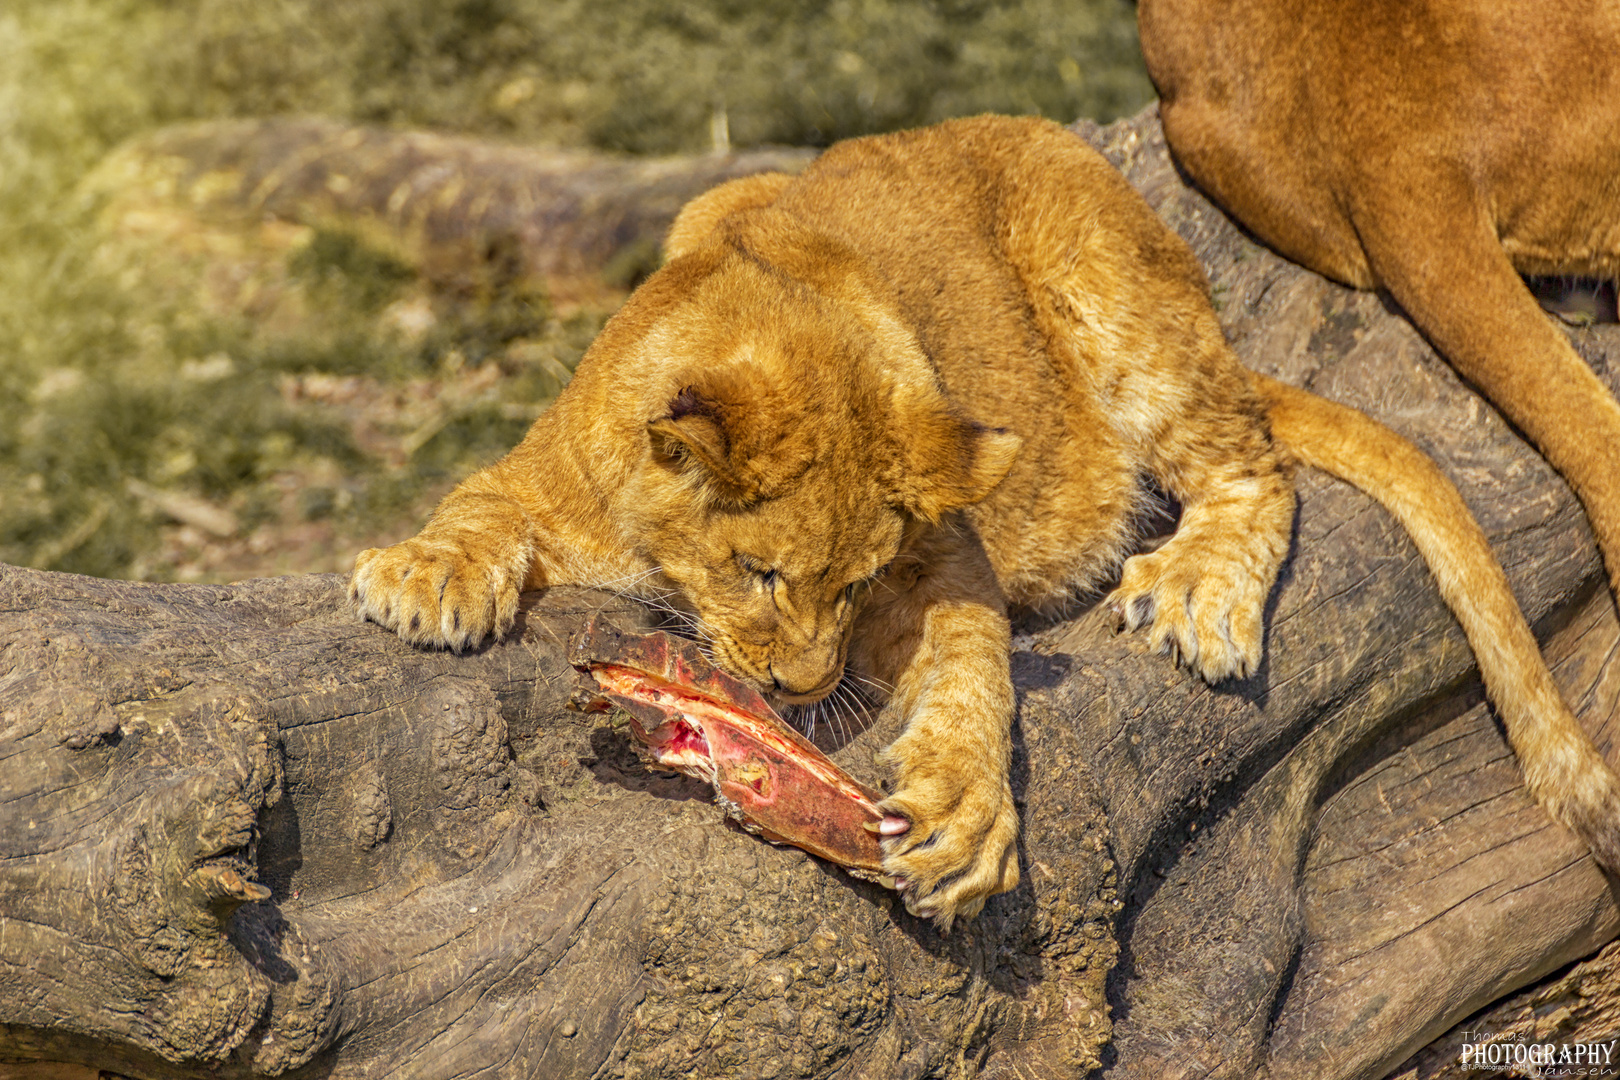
[[1205, 614], [947, 865], [434, 594]]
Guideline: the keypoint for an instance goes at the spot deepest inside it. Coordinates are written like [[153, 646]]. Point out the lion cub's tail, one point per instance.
[[1562, 767]]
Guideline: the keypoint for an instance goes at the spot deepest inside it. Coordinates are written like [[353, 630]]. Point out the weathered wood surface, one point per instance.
[[1312, 873], [1577, 1006]]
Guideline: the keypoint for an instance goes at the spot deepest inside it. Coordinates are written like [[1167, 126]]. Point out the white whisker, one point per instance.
[[840, 728], [640, 586], [878, 686], [628, 581], [802, 717], [857, 707]]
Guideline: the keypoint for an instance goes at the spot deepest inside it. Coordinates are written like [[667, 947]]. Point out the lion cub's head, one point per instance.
[[797, 441]]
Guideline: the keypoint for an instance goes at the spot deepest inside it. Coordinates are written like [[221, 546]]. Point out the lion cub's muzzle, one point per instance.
[[788, 693], [788, 673], [806, 676]]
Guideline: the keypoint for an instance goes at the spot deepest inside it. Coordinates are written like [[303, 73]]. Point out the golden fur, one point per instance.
[[1436, 149], [860, 412]]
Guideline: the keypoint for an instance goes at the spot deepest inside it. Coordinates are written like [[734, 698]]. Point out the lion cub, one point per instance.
[[862, 411]]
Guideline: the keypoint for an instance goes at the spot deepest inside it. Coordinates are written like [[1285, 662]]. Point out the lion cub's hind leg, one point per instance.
[[1203, 592], [1124, 308]]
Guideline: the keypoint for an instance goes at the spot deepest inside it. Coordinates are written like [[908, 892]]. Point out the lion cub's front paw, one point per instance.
[[1207, 612], [434, 592], [958, 849]]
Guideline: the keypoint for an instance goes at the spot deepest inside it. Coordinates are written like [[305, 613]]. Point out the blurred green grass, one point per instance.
[[121, 392]]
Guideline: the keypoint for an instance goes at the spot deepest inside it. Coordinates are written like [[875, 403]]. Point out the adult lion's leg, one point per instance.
[[1447, 268], [936, 631]]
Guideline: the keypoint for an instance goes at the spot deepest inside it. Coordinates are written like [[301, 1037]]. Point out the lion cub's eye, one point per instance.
[[767, 576]]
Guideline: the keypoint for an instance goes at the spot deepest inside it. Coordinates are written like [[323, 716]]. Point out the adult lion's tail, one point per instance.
[[1562, 767]]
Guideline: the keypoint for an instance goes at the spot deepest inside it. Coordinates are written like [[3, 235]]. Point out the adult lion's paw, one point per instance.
[[1206, 612], [435, 592], [949, 838]]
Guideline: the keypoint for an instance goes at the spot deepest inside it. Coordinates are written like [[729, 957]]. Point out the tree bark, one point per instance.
[[1311, 873]]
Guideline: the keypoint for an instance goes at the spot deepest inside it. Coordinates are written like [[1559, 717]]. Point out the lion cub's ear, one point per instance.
[[946, 460], [697, 220], [741, 455]]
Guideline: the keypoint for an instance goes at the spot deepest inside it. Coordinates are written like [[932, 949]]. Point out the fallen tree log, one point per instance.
[[242, 834], [467, 213]]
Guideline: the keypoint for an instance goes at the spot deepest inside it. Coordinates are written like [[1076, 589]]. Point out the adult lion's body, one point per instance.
[[862, 410], [1434, 148]]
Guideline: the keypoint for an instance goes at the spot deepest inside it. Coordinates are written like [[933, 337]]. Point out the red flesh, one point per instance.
[[702, 722]]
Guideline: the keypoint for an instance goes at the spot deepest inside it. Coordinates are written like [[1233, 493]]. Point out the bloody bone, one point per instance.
[[697, 719]]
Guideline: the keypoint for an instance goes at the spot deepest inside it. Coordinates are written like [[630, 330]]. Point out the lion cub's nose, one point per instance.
[[802, 680]]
